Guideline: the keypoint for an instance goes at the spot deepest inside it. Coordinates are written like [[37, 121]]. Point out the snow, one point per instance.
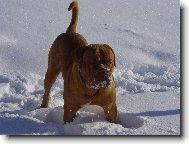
[[145, 36]]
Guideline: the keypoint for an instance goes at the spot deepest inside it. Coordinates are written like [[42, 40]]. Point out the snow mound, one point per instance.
[[148, 78]]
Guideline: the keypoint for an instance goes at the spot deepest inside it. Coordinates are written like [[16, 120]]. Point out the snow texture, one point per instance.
[[145, 35]]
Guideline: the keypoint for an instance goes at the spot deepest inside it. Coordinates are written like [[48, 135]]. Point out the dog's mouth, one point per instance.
[[101, 79], [97, 84], [98, 77], [103, 84]]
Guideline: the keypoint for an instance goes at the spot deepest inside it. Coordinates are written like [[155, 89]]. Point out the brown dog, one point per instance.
[[86, 69]]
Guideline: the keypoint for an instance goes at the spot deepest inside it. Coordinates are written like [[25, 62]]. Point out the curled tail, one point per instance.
[[75, 13]]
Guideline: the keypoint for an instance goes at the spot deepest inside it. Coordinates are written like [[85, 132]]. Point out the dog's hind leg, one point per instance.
[[50, 78], [54, 68]]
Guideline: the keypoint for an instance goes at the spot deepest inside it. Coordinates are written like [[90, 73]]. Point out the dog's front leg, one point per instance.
[[70, 113], [111, 113]]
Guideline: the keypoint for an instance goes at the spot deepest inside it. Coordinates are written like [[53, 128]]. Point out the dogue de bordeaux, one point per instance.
[[86, 70]]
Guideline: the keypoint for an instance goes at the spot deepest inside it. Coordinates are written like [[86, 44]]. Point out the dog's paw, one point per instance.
[[42, 106]]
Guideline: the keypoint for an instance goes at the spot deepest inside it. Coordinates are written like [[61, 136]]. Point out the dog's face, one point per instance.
[[97, 66]]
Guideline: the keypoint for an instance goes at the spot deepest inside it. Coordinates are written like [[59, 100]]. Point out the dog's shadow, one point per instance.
[[131, 121], [95, 114]]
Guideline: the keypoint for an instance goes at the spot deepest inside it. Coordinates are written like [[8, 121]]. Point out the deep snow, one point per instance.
[[145, 35]]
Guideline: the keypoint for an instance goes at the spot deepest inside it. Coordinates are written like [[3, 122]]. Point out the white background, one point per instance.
[[155, 140]]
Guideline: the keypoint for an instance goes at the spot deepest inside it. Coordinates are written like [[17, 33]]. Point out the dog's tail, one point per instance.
[[75, 14]]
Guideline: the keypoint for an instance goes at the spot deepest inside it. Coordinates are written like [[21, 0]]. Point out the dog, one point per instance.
[[86, 70]]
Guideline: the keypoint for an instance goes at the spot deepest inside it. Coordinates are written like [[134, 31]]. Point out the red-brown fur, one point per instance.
[[72, 56]]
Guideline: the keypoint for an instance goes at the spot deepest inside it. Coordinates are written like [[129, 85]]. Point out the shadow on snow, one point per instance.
[[159, 113]]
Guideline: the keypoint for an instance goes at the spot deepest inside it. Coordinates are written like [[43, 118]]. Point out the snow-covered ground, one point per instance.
[[145, 35]]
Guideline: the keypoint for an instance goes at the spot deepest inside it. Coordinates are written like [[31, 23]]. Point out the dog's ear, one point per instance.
[[105, 45]]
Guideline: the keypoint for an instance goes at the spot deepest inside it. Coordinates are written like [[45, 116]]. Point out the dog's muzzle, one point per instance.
[[102, 79]]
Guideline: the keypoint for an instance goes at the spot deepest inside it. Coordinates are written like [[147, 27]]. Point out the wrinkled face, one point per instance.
[[97, 66]]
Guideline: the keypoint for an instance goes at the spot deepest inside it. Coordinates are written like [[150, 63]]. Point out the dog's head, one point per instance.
[[96, 65]]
